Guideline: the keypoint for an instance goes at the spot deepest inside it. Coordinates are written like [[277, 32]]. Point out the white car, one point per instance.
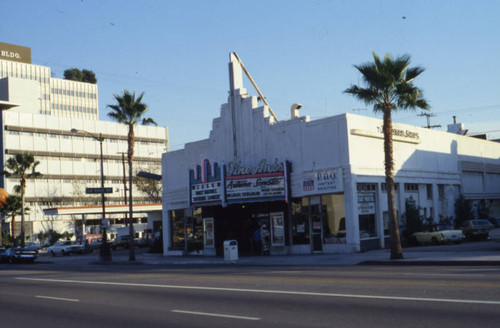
[[65, 248], [438, 234]]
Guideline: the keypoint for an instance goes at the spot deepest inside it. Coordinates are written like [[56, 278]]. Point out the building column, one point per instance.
[[351, 212]]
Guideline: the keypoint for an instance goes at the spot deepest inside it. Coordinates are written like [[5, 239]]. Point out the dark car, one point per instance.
[[18, 255], [495, 222], [476, 229], [121, 241]]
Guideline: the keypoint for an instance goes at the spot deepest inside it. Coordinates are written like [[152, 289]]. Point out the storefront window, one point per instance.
[[300, 221], [333, 210], [187, 230], [177, 229], [366, 210], [195, 232], [278, 229]]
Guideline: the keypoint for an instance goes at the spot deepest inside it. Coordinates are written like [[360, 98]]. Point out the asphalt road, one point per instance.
[[218, 296]]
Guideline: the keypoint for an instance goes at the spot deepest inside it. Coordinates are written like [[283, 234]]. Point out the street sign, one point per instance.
[[105, 190]]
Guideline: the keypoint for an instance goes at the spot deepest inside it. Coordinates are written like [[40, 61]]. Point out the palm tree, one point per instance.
[[389, 87], [12, 207], [129, 111], [18, 166]]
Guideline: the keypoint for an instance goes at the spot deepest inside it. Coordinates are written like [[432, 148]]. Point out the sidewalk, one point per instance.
[[473, 253]]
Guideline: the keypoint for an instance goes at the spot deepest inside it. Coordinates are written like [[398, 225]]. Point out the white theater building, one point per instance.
[[317, 185], [38, 113]]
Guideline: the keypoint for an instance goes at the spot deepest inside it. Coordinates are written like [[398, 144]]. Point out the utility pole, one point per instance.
[[124, 185], [428, 116]]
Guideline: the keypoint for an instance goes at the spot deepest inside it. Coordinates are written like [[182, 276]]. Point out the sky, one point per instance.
[[297, 51]]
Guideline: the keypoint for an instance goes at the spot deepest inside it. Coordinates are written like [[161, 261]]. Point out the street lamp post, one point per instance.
[[105, 252]]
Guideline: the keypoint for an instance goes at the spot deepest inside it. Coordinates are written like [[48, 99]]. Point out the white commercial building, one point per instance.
[[38, 113], [318, 186]]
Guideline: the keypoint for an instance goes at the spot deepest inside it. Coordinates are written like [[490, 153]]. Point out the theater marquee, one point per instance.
[[210, 184]]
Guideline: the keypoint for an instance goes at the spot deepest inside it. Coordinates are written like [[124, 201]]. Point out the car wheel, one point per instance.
[[434, 241], [11, 260], [52, 253], [457, 243], [414, 241]]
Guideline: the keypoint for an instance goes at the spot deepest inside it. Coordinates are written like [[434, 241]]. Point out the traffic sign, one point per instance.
[[105, 190]]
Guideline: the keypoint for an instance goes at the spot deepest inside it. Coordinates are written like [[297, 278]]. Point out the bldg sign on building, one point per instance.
[[15, 53], [322, 182]]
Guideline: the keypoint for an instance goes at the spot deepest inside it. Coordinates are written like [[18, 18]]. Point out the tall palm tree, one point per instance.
[[388, 87], [129, 110], [22, 166]]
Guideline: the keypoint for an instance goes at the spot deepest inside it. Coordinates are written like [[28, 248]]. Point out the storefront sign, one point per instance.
[[210, 184], [263, 182], [322, 182], [262, 186], [206, 193], [263, 167], [205, 184], [401, 133], [366, 203]]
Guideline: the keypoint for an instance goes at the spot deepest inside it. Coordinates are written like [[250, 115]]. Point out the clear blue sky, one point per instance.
[[297, 51]]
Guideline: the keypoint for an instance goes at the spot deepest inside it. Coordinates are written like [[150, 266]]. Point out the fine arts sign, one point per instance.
[[238, 183]]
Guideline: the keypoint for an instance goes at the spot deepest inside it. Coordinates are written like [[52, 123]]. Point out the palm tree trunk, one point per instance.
[[23, 190], [396, 250], [13, 223], [130, 207]]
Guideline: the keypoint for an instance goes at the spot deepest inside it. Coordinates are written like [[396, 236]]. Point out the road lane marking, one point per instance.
[[262, 291], [216, 315], [58, 298], [332, 281], [441, 274]]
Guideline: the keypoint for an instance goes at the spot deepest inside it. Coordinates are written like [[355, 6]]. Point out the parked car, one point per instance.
[[95, 243], [65, 248], [438, 234], [141, 242], [18, 255], [120, 241], [476, 229], [32, 246], [495, 235], [495, 222]]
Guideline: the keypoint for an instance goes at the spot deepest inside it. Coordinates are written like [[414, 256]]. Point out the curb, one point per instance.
[[430, 263]]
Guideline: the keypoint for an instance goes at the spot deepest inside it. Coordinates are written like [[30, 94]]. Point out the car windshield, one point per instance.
[[442, 227], [481, 223]]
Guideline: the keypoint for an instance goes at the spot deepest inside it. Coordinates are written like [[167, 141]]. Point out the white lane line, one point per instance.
[[216, 315], [441, 274], [262, 291], [58, 298]]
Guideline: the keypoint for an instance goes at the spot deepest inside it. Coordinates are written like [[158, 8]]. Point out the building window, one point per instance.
[[366, 186], [384, 187], [366, 215], [441, 192], [333, 217], [411, 187], [429, 191], [300, 221]]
